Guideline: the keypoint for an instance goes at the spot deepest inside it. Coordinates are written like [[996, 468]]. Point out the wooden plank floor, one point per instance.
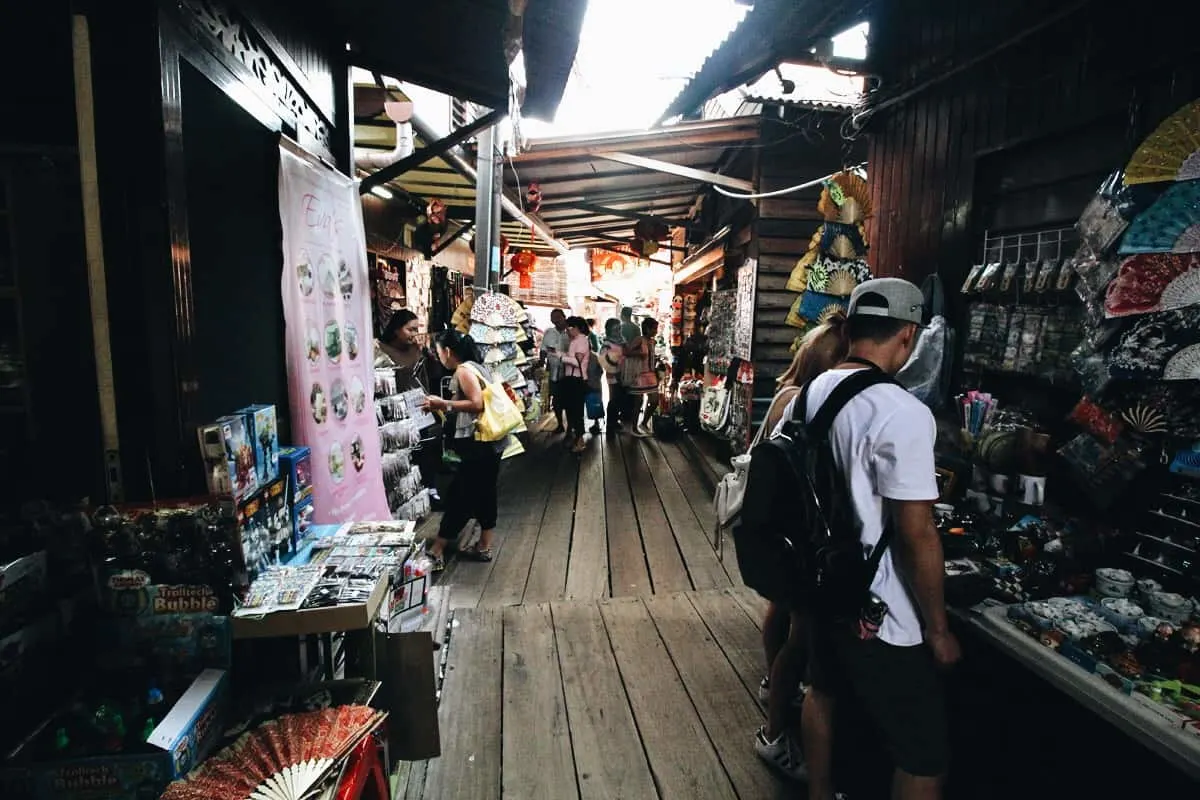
[[629, 697], [606, 651], [628, 518]]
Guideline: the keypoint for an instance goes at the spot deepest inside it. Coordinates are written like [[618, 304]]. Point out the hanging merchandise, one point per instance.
[[533, 198], [1163, 346], [523, 263], [1171, 225], [1154, 282], [644, 248], [1171, 152], [845, 198], [651, 230]]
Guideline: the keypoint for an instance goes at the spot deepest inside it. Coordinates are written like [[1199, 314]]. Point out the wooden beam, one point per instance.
[[619, 240], [432, 150], [616, 212], [648, 194], [678, 170], [630, 255], [452, 238]]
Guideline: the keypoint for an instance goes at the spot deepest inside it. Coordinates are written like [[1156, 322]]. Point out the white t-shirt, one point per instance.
[[883, 443]]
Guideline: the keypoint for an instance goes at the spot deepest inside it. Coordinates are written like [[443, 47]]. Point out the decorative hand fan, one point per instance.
[[484, 334], [837, 277], [495, 310], [462, 315], [1154, 282], [281, 760], [1171, 225], [794, 318], [816, 307], [845, 198], [798, 280], [1171, 152], [1162, 346], [842, 241]]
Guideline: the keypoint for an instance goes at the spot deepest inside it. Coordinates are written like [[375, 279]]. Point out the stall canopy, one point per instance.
[[772, 32], [463, 47], [448, 177], [595, 188]]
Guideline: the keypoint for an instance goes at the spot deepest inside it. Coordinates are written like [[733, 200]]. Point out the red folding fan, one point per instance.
[[280, 760]]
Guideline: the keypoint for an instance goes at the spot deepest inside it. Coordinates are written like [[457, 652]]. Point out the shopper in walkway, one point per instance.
[[472, 492], [786, 630], [417, 368], [573, 385], [883, 444], [594, 398], [629, 328], [612, 354], [639, 378], [554, 347]]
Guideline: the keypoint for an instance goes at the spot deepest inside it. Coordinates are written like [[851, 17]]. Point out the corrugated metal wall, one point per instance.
[[1095, 71]]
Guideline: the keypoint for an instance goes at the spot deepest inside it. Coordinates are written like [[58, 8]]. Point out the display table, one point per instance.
[[1138, 716]]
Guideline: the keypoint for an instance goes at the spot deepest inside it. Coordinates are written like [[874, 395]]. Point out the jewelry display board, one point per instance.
[[743, 322]]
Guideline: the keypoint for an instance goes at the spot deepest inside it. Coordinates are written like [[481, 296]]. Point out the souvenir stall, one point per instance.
[[1071, 486]]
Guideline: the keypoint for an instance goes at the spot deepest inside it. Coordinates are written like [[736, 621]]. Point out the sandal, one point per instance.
[[476, 553]]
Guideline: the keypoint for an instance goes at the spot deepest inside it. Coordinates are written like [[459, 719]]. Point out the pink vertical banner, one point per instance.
[[330, 346]]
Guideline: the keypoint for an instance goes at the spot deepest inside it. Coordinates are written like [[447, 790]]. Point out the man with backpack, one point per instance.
[[841, 522]]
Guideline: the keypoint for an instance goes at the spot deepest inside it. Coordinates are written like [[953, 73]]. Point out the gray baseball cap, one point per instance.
[[895, 298]]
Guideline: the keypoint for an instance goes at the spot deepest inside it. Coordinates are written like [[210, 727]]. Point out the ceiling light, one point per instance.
[[379, 191]]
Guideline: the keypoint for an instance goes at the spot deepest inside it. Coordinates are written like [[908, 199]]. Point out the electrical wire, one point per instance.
[[788, 190]]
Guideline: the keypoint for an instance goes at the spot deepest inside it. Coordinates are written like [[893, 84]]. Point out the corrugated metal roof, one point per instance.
[[586, 197], [781, 99], [773, 31]]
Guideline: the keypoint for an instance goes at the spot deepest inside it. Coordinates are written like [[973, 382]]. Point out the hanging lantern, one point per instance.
[[523, 261], [533, 198], [644, 247], [436, 212], [652, 230], [525, 281]]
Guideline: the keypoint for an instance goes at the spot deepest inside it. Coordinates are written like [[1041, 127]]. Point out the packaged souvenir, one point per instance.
[[972, 277], [1010, 273], [990, 278], [1045, 278]]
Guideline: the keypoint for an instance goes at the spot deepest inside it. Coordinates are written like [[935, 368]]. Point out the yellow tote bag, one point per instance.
[[500, 416]]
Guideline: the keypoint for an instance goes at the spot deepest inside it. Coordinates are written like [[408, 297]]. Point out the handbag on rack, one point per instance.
[[715, 400]]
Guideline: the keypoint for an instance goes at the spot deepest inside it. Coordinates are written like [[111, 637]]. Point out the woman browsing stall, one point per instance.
[[472, 492], [574, 380]]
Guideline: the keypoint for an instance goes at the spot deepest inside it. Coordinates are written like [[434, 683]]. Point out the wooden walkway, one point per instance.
[[605, 652], [631, 517]]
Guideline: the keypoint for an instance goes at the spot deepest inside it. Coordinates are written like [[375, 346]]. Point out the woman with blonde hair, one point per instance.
[[785, 629]]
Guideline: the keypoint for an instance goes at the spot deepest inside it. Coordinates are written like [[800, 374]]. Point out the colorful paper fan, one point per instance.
[[818, 306], [1171, 152], [1162, 346], [794, 318], [461, 318], [1154, 282], [1171, 225], [842, 241], [484, 334], [495, 310], [798, 280], [837, 277], [283, 759], [845, 198]]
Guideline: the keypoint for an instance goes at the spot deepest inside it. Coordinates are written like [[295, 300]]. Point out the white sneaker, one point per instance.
[[783, 754], [764, 693], [642, 432]]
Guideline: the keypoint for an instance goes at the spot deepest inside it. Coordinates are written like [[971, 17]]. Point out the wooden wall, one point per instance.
[[1023, 134], [805, 146]]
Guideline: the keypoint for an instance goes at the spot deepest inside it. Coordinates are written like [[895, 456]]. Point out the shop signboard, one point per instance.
[[330, 353]]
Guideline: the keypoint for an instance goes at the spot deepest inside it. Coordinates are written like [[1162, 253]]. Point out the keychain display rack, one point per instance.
[[400, 419]]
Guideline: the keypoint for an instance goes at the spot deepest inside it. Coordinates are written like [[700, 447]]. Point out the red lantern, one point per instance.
[[525, 281], [523, 262]]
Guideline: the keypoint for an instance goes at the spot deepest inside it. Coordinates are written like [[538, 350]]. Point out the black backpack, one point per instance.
[[797, 538]]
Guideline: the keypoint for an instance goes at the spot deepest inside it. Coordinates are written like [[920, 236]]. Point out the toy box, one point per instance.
[[302, 519], [278, 519], [262, 431], [185, 737], [295, 465], [239, 455], [253, 537], [216, 465]]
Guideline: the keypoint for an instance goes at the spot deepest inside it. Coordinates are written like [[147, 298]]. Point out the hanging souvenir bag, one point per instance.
[[715, 402], [500, 415]]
